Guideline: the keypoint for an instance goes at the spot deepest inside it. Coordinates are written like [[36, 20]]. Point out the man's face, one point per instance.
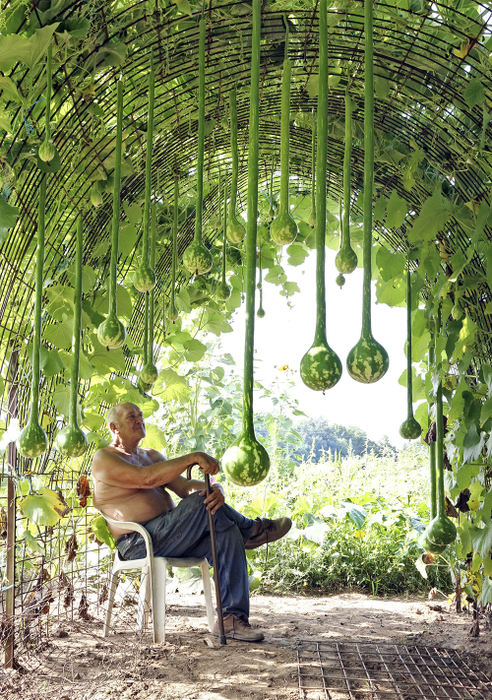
[[131, 423]]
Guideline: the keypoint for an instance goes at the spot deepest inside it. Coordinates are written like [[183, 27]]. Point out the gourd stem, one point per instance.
[[432, 445], [201, 132], [116, 200], [146, 331], [234, 152], [284, 137], [49, 83], [77, 315], [368, 165], [321, 152], [36, 339], [409, 346], [441, 513], [150, 351], [347, 155], [224, 237], [148, 166], [175, 237], [251, 227], [313, 169]]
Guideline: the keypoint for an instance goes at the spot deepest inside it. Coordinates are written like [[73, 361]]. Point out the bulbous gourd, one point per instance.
[[197, 259], [111, 332], [261, 312], [346, 258], [71, 441], [283, 229], [172, 312], [368, 361], [47, 151], [233, 256], [95, 197], [144, 278], [149, 373], [246, 462], [340, 280], [143, 386], [438, 534], [410, 429], [320, 366], [235, 229], [223, 291], [32, 441]]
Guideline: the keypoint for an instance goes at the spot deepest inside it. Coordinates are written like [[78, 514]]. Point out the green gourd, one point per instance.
[[223, 291], [432, 443], [47, 153], [111, 332], [172, 312], [441, 531], [235, 228], [283, 228], [71, 441], [312, 216], [144, 277], [321, 367], [368, 361], [410, 429], [33, 441], [346, 258], [149, 372], [246, 462], [197, 259], [261, 311]]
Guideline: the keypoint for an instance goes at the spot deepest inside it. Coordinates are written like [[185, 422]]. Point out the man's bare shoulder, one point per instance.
[[154, 455]]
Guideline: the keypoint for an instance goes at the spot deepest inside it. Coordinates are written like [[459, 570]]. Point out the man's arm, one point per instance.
[[110, 468], [184, 487]]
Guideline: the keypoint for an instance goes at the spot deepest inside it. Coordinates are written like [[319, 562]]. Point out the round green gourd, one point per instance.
[[223, 291], [235, 228], [142, 386], [111, 332], [340, 280], [71, 441], [441, 531], [283, 228], [144, 278], [346, 258], [246, 461], [47, 151], [410, 429], [368, 361], [321, 367], [197, 259], [261, 312]]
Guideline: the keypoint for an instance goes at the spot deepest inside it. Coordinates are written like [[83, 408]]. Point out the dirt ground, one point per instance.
[[77, 662]]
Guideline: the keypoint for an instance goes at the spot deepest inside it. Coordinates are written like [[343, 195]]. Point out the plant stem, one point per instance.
[[175, 236], [347, 156], [36, 339], [368, 165], [201, 132], [284, 136], [77, 316], [148, 166], [409, 346], [116, 200], [234, 152]]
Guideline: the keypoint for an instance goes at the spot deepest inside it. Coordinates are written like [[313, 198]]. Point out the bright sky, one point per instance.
[[284, 335]]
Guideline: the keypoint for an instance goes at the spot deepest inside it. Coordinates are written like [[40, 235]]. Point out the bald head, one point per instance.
[[114, 413]]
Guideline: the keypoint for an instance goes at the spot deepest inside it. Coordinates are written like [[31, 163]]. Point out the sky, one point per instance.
[[284, 335]]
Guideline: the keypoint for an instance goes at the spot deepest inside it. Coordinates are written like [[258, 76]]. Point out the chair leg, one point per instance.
[[207, 592], [158, 585], [143, 600], [113, 584]]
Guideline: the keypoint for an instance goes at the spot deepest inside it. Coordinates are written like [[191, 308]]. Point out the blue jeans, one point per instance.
[[184, 532]]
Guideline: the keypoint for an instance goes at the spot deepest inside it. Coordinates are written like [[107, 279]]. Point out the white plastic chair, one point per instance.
[[153, 584]]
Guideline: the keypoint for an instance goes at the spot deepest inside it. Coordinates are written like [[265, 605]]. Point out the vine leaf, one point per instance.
[[8, 213], [434, 214], [44, 508], [474, 93], [28, 50]]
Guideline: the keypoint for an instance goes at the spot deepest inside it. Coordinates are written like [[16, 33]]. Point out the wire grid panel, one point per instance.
[[382, 671]]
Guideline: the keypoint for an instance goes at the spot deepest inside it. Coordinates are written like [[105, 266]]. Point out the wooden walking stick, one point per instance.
[[220, 617]]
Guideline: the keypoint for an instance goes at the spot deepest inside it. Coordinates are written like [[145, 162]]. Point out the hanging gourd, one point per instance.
[[145, 386], [410, 429], [312, 216], [441, 531], [223, 291], [48, 157], [346, 258], [261, 311], [283, 229], [431, 438], [247, 462], [368, 361], [235, 228], [111, 332], [172, 312], [149, 372], [321, 367], [71, 441], [144, 277], [197, 259]]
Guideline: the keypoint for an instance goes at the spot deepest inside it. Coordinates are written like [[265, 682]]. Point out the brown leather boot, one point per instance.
[[267, 530], [235, 628]]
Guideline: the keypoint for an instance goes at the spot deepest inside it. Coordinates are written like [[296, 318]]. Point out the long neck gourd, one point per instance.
[[71, 441], [368, 361], [48, 156], [111, 332], [321, 367], [235, 228], [410, 429], [223, 291], [32, 441], [441, 531], [346, 258], [197, 259], [261, 311], [144, 277], [149, 372], [312, 217], [246, 462], [172, 312], [283, 228], [432, 443]]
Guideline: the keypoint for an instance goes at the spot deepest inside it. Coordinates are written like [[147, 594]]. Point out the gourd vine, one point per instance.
[[410, 429], [235, 228], [149, 372], [223, 291], [172, 312], [346, 258]]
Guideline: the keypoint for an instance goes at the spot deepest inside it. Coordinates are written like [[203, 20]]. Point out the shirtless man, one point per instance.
[[131, 483]]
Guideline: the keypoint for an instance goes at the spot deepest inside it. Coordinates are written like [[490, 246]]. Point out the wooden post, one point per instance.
[[11, 520]]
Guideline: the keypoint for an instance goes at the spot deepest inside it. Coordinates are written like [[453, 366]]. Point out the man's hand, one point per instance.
[[215, 499], [206, 463]]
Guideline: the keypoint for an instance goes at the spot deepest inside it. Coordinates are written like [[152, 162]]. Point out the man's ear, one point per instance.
[[113, 427]]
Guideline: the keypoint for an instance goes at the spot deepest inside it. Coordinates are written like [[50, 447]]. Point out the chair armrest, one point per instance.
[[134, 527]]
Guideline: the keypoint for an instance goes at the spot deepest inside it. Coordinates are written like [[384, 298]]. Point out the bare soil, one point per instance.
[[75, 661]]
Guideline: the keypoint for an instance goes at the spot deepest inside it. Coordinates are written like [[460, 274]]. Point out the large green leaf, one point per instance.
[[44, 508], [28, 50], [474, 93], [390, 264], [433, 216], [171, 386], [482, 540], [100, 529], [8, 213], [396, 210]]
